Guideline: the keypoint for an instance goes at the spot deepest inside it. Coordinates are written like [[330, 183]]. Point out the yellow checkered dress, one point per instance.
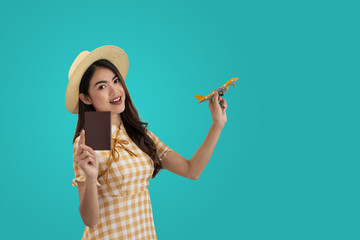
[[124, 204]]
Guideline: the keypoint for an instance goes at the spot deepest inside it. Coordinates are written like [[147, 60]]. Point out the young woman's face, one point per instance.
[[105, 89]]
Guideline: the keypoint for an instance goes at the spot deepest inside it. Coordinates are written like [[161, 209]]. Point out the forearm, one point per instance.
[[89, 205], [203, 154]]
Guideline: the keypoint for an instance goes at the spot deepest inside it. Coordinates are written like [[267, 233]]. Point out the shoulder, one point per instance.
[[150, 133]]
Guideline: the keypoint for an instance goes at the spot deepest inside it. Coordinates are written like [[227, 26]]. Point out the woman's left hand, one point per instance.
[[218, 109]]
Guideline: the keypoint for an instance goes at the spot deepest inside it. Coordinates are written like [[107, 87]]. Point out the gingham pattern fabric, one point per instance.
[[125, 207]]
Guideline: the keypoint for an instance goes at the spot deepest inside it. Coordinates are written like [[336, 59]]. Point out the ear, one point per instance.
[[86, 99]]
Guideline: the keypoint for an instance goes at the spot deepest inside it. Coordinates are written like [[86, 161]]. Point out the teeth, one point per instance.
[[115, 100]]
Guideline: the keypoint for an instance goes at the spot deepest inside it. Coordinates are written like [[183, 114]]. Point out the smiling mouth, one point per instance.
[[116, 100]]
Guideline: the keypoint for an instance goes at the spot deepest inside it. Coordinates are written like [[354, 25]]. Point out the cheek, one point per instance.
[[101, 99], [123, 91], [97, 98]]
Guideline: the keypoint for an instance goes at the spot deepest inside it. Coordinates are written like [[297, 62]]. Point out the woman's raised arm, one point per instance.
[[87, 160], [192, 168]]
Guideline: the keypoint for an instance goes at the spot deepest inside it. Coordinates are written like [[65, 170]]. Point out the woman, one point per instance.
[[114, 201]]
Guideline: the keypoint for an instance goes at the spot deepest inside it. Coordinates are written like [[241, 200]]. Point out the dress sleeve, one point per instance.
[[80, 175], [162, 149]]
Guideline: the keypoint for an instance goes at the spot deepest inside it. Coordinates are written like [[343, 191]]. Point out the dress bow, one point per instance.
[[114, 154]]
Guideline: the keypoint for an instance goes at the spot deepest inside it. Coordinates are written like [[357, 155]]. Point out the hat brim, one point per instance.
[[114, 54]]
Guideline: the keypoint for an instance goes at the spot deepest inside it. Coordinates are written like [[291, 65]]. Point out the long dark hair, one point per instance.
[[135, 128]]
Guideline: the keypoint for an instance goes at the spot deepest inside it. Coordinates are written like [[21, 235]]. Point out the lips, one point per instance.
[[116, 99]]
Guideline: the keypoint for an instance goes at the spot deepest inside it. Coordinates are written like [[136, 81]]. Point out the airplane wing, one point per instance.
[[218, 89], [204, 98], [232, 82], [221, 90], [208, 97]]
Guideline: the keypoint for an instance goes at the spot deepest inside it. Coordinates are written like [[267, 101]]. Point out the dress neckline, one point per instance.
[[115, 130]]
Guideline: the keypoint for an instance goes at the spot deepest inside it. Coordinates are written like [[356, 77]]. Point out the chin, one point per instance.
[[119, 111]]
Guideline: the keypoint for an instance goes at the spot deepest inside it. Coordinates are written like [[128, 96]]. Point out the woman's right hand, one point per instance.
[[87, 159]]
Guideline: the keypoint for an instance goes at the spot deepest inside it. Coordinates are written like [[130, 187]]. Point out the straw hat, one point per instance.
[[114, 54]]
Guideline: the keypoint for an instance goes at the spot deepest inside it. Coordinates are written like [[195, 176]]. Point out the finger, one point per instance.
[[82, 137], [87, 148], [211, 100], [224, 104], [82, 159], [216, 100], [222, 100], [78, 151], [216, 96], [89, 160], [85, 155], [86, 161]]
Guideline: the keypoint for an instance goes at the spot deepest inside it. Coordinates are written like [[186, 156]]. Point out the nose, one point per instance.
[[113, 90]]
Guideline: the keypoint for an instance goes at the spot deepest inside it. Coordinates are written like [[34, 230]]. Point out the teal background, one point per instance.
[[286, 165]]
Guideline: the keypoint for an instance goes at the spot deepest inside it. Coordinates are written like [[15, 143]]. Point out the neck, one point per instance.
[[116, 119]]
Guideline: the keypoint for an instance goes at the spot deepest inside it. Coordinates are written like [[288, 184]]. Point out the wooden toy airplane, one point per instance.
[[221, 90]]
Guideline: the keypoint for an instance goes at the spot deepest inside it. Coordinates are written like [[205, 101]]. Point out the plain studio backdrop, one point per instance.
[[286, 165]]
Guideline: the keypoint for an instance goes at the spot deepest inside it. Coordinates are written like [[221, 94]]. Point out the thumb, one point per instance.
[[216, 99], [216, 96]]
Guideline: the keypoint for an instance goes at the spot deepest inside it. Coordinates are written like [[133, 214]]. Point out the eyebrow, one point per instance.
[[104, 81]]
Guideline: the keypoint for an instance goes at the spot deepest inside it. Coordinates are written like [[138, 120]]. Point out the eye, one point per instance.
[[101, 87], [117, 80]]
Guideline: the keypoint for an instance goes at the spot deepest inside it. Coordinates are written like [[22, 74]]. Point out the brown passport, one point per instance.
[[98, 130]]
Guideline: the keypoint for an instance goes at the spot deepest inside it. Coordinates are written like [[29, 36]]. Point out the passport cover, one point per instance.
[[98, 130]]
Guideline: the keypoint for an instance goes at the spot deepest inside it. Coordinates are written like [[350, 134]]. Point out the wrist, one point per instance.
[[218, 125], [90, 180]]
